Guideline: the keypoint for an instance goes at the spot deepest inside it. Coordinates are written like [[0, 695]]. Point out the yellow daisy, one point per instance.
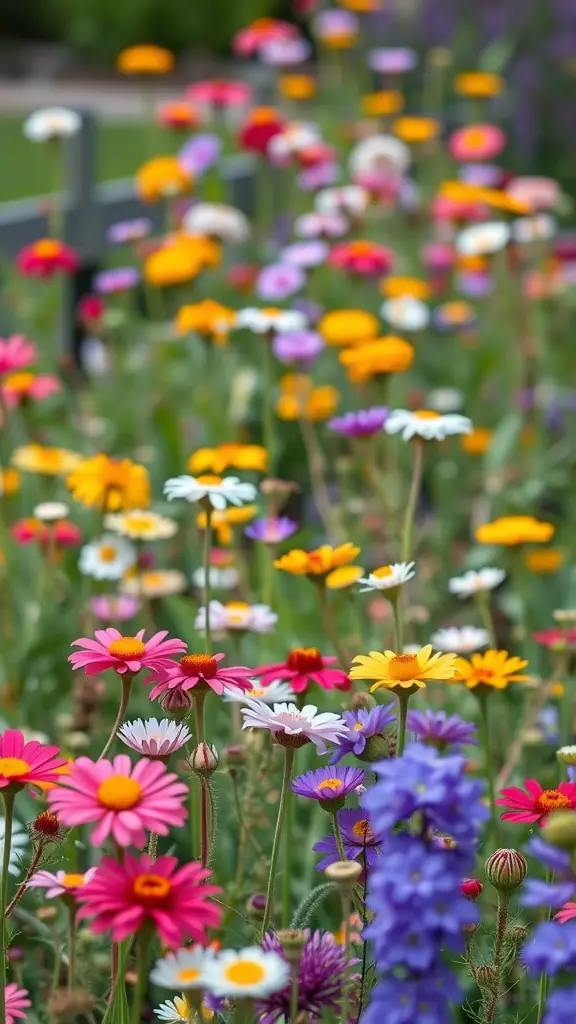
[[491, 670], [405, 671]]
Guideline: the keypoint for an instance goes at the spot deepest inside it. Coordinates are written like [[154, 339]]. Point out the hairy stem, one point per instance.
[[415, 483], [9, 818], [125, 697], [286, 778]]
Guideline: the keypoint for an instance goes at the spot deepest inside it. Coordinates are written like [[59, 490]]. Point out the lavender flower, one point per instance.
[[551, 948], [298, 347], [119, 279], [129, 231], [305, 254], [279, 281], [560, 1006], [366, 735], [358, 837], [391, 60], [439, 730], [199, 153], [557, 862], [321, 974], [273, 530], [328, 785], [285, 52], [364, 423]]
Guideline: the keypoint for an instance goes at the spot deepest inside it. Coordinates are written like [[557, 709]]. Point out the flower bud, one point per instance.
[[292, 941], [343, 872], [46, 828], [176, 703], [376, 749], [506, 869], [567, 755], [256, 905], [204, 759], [486, 977], [471, 887], [560, 829], [234, 755]]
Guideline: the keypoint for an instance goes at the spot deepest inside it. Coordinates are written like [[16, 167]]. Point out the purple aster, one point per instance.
[[285, 52], [551, 948], [335, 22], [488, 175], [560, 1006], [306, 254], [129, 230], [273, 530], [319, 175], [298, 347], [313, 311], [358, 837], [279, 281], [364, 423], [391, 60], [118, 279], [329, 785], [365, 725], [473, 284], [321, 974], [439, 730], [199, 153]]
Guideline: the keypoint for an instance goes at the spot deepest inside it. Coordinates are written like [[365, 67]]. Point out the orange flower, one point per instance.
[[208, 318], [348, 327], [110, 484], [297, 87], [478, 83], [478, 441], [416, 129], [299, 399], [396, 287], [383, 355], [491, 670], [383, 103], [145, 60], [179, 115], [513, 530], [318, 562], [544, 561], [161, 178], [250, 457], [9, 481]]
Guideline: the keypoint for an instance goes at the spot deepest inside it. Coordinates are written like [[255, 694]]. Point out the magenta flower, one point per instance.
[[302, 666], [124, 799], [536, 803], [305, 254], [203, 670], [26, 764], [60, 883], [124, 653], [364, 423], [298, 347], [391, 60], [272, 530], [279, 281], [16, 352], [114, 607], [16, 1002], [118, 279], [329, 785], [123, 897]]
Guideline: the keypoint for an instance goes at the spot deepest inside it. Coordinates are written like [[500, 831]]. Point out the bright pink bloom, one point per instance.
[[363, 258], [60, 883], [446, 208], [90, 310], [477, 142], [124, 897], [248, 41], [124, 653], [566, 913], [124, 799], [23, 385], [218, 92], [45, 257], [16, 1001], [537, 803], [556, 639], [302, 666], [203, 669], [16, 352], [23, 764], [114, 607], [64, 533]]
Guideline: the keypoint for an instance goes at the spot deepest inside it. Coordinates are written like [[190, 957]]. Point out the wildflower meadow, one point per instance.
[[288, 598]]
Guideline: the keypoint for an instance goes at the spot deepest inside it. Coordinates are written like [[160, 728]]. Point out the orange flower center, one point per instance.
[[264, 115], [199, 665], [426, 414], [20, 382], [127, 647], [552, 800], [188, 975], [482, 675], [237, 611], [209, 479], [475, 137], [107, 553], [334, 784], [72, 881], [152, 890], [47, 248], [256, 692], [119, 793], [363, 829], [12, 767], [305, 659], [404, 667], [245, 972], [360, 248]]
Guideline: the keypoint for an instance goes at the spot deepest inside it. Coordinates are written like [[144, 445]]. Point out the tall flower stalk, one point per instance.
[[289, 754]]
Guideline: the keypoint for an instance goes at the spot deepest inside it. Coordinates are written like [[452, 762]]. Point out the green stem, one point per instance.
[[345, 892], [142, 976], [207, 549], [398, 631], [22, 887], [286, 778], [199, 700], [402, 699], [152, 845], [483, 604], [9, 818], [71, 946], [501, 924], [125, 697], [484, 731], [542, 996], [287, 866], [408, 528], [338, 836], [244, 1012], [330, 626], [267, 403], [294, 994]]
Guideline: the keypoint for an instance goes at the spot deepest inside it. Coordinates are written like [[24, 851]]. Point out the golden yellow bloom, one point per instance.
[[343, 577], [383, 103], [208, 251], [461, 191], [161, 178], [360, 6], [299, 399], [297, 87], [181, 260], [478, 83], [491, 670], [9, 481], [478, 441], [512, 530], [39, 458], [396, 287], [318, 562], [208, 318], [545, 560], [145, 60], [500, 200], [403, 671], [557, 690], [348, 327], [110, 484], [416, 129], [228, 456], [474, 263], [223, 521], [383, 355]]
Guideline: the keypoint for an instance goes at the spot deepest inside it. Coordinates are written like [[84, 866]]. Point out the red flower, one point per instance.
[[248, 41], [363, 258], [556, 639], [537, 803], [304, 665], [47, 256], [64, 533], [471, 887], [90, 310], [261, 125], [180, 116]]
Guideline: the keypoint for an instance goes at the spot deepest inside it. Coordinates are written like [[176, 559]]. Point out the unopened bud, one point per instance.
[[343, 872], [362, 701], [560, 829], [234, 755], [292, 941], [204, 759], [176, 703], [567, 755], [471, 887], [70, 1004], [506, 869], [486, 977], [256, 905], [516, 933], [376, 749]]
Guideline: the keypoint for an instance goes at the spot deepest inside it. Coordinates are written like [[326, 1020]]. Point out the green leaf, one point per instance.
[[503, 442], [497, 54]]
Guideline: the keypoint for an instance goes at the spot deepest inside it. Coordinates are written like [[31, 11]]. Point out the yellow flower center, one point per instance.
[[244, 972], [305, 659], [552, 800], [255, 692], [139, 522], [357, 727], [107, 553], [151, 890], [333, 784], [127, 647], [72, 881], [404, 667], [361, 247], [237, 611], [383, 572], [475, 137], [426, 414], [199, 665], [363, 829], [119, 793], [188, 975], [12, 767]]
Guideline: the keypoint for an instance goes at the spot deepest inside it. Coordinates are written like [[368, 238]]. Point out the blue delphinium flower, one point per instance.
[[536, 892], [414, 886], [364, 725], [560, 1006], [551, 948], [438, 730]]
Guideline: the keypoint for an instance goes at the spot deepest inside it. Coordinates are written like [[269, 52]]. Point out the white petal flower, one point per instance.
[[154, 738], [432, 426], [295, 136], [533, 229], [388, 576], [348, 199], [60, 883], [106, 558], [272, 694], [305, 723], [261, 321], [379, 153], [155, 583], [406, 313], [18, 845], [184, 969], [221, 578], [51, 123], [483, 239], [321, 225], [217, 219], [251, 972], [175, 1011], [141, 525], [476, 581], [51, 511], [237, 615], [461, 640], [219, 492]]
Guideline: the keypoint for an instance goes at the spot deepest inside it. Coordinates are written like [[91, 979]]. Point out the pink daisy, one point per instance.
[[23, 764], [302, 666], [16, 1001], [124, 799], [125, 896], [124, 653], [566, 913], [16, 352], [204, 670], [60, 883], [537, 803]]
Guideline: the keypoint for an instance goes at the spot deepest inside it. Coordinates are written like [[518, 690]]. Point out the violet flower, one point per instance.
[[118, 279], [366, 733], [272, 530], [305, 254], [298, 347], [364, 423], [358, 837], [199, 153], [279, 281]]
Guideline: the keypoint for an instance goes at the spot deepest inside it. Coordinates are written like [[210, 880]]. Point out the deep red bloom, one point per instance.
[[46, 257], [555, 638], [90, 310], [537, 803], [362, 258], [302, 666], [471, 887], [261, 125]]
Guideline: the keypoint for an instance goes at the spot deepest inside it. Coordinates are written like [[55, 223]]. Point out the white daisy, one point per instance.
[[445, 400], [379, 153], [217, 219], [237, 615], [351, 200], [251, 972], [406, 313], [17, 847], [219, 491], [154, 738], [51, 511], [272, 694], [221, 577], [175, 1011], [461, 640], [388, 576], [261, 321], [533, 229], [321, 225], [155, 583], [483, 239], [432, 426], [106, 558], [141, 525], [295, 136], [476, 581], [302, 724], [183, 969], [51, 123]]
